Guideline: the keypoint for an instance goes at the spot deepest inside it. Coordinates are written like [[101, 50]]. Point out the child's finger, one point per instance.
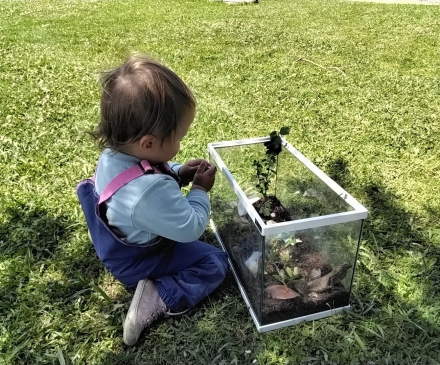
[[202, 167], [195, 163], [212, 169]]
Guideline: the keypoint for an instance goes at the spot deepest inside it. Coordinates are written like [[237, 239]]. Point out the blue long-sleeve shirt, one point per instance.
[[151, 205]]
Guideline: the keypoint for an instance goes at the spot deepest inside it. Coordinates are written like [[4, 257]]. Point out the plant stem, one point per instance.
[[279, 274], [276, 177], [266, 186]]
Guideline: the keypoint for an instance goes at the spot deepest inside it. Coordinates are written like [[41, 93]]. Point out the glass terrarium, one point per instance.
[[293, 263]]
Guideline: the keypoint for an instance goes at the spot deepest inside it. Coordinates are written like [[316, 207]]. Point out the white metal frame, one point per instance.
[[358, 212]]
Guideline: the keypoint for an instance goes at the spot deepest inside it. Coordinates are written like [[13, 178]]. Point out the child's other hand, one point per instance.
[[188, 170], [205, 176]]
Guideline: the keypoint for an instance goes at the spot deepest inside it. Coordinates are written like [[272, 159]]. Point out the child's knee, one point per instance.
[[221, 262]]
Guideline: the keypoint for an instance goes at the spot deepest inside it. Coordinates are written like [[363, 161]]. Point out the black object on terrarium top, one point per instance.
[[274, 146]]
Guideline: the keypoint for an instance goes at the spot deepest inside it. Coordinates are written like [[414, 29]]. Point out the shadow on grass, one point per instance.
[[37, 246], [31, 230], [399, 278], [35, 234], [30, 237], [43, 273], [389, 223]]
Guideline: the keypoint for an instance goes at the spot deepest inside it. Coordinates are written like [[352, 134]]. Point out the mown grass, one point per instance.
[[372, 124]]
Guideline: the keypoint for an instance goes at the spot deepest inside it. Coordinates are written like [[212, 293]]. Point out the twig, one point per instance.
[[321, 66]]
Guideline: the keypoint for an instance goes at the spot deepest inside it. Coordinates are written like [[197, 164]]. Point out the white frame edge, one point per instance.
[[298, 320], [239, 142], [314, 222], [235, 186]]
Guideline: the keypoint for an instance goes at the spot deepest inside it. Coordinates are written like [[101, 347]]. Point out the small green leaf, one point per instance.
[[359, 341], [289, 272], [117, 306], [102, 292], [266, 212], [282, 275], [291, 241], [273, 134], [61, 357]]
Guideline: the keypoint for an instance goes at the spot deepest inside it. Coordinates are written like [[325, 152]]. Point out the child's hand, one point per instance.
[[188, 170], [205, 176]]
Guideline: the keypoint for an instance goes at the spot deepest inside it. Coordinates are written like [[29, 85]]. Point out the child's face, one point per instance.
[[171, 146]]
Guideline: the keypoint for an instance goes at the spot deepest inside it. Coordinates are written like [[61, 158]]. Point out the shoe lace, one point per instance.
[[155, 315]]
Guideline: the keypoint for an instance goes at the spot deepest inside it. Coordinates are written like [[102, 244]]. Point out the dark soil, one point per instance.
[[277, 211], [276, 310]]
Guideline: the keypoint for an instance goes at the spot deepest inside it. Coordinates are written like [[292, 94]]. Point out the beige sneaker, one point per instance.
[[145, 308]]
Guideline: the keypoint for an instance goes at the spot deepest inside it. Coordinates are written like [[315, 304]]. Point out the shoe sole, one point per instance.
[[130, 320]]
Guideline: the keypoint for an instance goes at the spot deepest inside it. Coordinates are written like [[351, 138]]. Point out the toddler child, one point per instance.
[[143, 228]]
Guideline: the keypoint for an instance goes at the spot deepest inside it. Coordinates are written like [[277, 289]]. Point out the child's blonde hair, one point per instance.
[[140, 97]]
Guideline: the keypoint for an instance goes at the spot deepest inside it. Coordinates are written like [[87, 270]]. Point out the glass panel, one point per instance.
[[302, 193], [241, 239], [309, 271], [239, 161]]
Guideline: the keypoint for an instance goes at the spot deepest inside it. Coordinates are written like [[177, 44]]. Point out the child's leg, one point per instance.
[[188, 273], [180, 275]]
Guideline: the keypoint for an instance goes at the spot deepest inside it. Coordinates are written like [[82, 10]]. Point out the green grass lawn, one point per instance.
[[366, 111]]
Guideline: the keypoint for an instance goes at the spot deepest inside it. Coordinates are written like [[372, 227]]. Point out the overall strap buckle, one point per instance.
[[145, 167]]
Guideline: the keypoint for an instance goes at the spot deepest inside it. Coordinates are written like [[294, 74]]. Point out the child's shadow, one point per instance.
[[39, 245]]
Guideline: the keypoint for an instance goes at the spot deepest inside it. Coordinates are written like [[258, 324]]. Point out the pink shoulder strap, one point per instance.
[[143, 167]]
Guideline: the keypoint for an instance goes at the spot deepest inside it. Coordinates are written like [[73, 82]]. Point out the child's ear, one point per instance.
[[147, 142]]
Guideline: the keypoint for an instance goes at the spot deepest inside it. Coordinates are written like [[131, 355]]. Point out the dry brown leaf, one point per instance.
[[280, 292]]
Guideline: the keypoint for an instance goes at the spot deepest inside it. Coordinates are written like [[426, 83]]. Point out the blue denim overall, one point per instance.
[[184, 273]]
